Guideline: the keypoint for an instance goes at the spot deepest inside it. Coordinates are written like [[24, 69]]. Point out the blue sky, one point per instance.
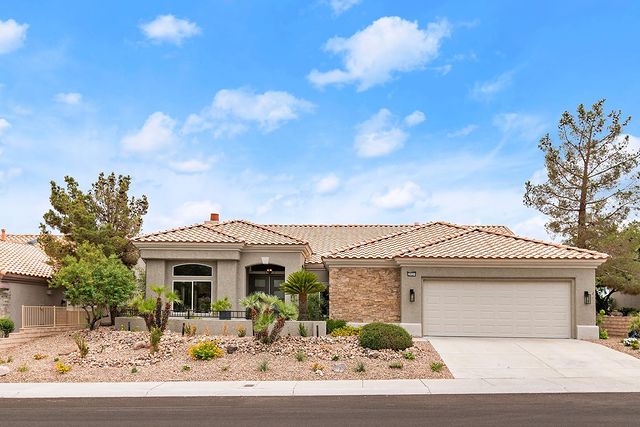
[[336, 111]]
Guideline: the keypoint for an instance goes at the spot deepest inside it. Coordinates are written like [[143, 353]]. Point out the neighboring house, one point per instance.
[[24, 276], [436, 278]]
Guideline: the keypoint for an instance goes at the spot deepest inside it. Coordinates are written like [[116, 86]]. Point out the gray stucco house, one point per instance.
[[435, 278]]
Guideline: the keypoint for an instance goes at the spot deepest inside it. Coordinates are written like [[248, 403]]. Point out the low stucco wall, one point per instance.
[[626, 300], [219, 327], [18, 293]]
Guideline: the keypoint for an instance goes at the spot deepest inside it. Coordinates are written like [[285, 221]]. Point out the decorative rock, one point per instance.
[[232, 349], [140, 345], [339, 367], [4, 370]]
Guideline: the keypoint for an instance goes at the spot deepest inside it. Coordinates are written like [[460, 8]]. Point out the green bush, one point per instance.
[[634, 326], [333, 324], [635, 345], [360, 367], [603, 334], [206, 350], [83, 348], [6, 326], [408, 355], [378, 336], [154, 339], [346, 331], [437, 366], [222, 304], [302, 330]]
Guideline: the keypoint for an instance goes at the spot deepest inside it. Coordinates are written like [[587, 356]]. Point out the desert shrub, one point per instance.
[[396, 365], [222, 304], [268, 315], [83, 348], [224, 368], [317, 367], [190, 330], [6, 326], [242, 331], [186, 368], [635, 345], [408, 355], [300, 356], [378, 336], [134, 370], [62, 368], [206, 350], [629, 311], [39, 356], [335, 357], [360, 367], [302, 330], [333, 324], [437, 366], [154, 339], [603, 334], [346, 331], [55, 359], [634, 326], [600, 317], [23, 368], [263, 366]]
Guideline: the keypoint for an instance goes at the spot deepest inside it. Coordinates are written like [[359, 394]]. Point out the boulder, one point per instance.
[[4, 370], [141, 344], [339, 367]]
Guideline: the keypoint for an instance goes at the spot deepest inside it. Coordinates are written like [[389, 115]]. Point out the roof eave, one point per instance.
[[493, 262]]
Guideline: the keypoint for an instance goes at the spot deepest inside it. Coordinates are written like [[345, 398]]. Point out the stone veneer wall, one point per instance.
[[364, 294], [5, 299]]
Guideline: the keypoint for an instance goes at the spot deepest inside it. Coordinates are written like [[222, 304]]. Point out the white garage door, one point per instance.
[[497, 309]]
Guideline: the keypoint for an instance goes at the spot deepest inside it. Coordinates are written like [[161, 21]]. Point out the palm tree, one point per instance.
[[302, 283], [267, 310], [152, 310]]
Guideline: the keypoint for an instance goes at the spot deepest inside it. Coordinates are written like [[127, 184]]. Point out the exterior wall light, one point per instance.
[[412, 295], [265, 260], [587, 297]]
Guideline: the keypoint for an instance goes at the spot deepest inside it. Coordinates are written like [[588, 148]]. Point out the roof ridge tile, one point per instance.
[[262, 227]]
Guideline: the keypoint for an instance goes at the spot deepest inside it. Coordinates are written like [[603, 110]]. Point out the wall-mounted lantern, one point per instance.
[[412, 295], [587, 297]]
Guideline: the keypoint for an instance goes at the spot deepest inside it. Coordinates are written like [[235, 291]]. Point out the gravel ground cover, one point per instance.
[[123, 356], [616, 344]]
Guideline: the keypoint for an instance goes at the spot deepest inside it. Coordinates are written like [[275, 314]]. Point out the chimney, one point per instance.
[[3, 236], [214, 218]]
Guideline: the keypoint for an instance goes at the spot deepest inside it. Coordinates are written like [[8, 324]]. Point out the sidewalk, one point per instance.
[[319, 388]]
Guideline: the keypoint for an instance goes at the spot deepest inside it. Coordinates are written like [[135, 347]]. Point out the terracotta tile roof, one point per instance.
[[23, 259], [197, 233], [256, 234], [389, 246], [478, 243], [326, 238], [499, 228], [22, 238]]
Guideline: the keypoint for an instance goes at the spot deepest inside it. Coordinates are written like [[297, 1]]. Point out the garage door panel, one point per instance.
[[501, 309]]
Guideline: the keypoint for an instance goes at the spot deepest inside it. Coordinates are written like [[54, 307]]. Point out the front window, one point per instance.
[[194, 291]]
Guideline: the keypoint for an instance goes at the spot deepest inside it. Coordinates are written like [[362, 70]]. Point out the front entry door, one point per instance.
[[267, 283]]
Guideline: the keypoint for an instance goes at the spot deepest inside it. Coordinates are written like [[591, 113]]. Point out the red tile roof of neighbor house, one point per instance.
[[23, 259], [361, 241]]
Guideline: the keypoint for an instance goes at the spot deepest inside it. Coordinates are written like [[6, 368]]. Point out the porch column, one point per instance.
[[226, 282]]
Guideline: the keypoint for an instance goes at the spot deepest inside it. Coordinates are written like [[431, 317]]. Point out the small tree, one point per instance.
[[268, 311], [156, 311], [302, 283], [94, 282], [592, 178]]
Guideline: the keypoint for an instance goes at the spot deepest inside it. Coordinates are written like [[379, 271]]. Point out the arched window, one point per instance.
[[192, 270]]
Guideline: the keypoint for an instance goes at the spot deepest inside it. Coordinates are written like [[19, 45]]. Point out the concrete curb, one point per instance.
[[320, 388]]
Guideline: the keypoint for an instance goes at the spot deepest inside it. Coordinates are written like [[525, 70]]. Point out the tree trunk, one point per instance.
[[581, 234], [302, 307], [113, 312], [277, 328]]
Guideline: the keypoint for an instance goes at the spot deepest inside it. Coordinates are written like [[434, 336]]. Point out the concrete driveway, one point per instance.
[[486, 358]]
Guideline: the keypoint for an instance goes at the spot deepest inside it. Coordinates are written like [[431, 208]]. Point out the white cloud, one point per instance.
[[398, 197], [414, 118], [388, 46], [382, 133], [233, 110], [632, 147], [168, 28], [12, 35], [341, 6], [190, 212], [4, 125], [6, 175], [486, 90], [327, 184], [519, 125], [465, 131], [444, 69], [156, 132], [69, 98], [532, 227], [192, 165]]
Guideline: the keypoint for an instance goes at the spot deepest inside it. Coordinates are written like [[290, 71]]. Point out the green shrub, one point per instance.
[[134, 370], [263, 366], [346, 331], [600, 317], [603, 334], [154, 339], [206, 350], [190, 330], [186, 368], [302, 330], [333, 324], [23, 368], [300, 356], [360, 367], [377, 336], [222, 304], [635, 345], [437, 366], [634, 326], [6, 326], [408, 355], [317, 306], [83, 348], [396, 365], [242, 331], [335, 357], [62, 368]]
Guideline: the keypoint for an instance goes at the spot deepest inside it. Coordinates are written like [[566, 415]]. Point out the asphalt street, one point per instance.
[[436, 410]]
